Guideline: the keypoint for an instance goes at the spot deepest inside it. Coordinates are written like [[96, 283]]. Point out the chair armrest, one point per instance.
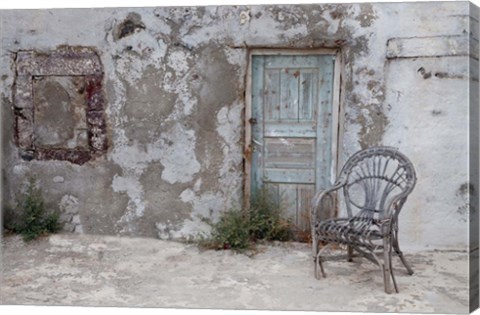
[[318, 198]]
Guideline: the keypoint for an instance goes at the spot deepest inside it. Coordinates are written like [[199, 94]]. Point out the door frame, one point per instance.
[[337, 116]]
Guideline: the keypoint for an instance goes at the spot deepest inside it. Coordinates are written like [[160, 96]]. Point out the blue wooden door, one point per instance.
[[292, 128]]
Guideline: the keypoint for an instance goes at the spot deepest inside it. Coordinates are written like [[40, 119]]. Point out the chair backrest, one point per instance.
[[377, 182]]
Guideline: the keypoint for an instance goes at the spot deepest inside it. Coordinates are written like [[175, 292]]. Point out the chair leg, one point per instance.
[[386, 266], [405, 263], [350, 253], [396, 247], [391, 267], [391, 273], [320, 265], [317, 259]]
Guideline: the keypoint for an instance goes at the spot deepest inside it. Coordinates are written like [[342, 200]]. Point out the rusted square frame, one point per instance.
[[65, 61]]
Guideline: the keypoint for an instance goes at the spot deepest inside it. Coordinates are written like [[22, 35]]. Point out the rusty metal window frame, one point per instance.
[[64, 61]]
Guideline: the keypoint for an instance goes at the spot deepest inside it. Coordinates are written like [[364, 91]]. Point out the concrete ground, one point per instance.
[[111, 271]]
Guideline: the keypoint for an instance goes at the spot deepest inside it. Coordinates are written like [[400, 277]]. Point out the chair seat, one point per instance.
[[354, 231]]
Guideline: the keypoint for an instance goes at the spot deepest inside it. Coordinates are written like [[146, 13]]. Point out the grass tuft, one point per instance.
[[34, 219], [241, 230]]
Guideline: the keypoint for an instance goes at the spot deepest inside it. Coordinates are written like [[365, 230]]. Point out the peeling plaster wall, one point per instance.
[[174, 86]]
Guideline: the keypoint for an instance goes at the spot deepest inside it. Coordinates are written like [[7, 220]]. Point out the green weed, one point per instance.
[[241, 230], [34, 219]]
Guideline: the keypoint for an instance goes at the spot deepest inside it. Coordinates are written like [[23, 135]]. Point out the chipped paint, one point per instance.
[[205, 206], [178, 155]]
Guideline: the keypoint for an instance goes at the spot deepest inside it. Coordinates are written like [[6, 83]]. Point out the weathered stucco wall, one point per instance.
[[173, 94]]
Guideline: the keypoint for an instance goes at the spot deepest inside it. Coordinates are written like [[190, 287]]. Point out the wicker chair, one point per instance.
[[375, 184]]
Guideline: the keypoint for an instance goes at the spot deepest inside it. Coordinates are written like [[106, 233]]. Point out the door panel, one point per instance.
[[292, 137], [295, 199], [294, 153], [272, 94], [285, 175], [291, 129], [289, 94], [307, 94]]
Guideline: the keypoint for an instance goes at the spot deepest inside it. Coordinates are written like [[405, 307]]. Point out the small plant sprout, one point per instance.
[[34, 219]]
